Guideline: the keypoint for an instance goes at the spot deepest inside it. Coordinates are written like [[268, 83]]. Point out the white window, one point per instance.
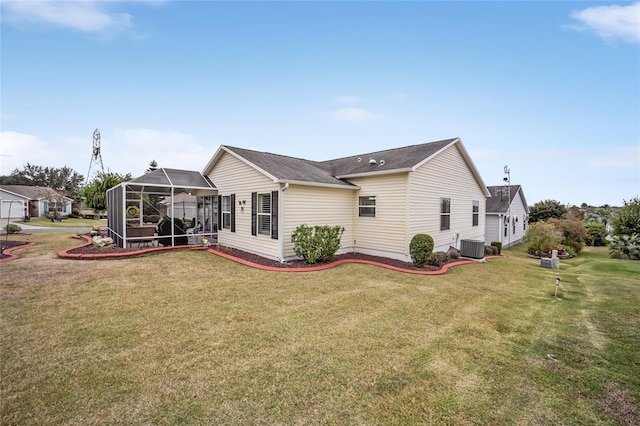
[[367, 206], [476, 213], [445, 213], [264, 214], [226, 212]]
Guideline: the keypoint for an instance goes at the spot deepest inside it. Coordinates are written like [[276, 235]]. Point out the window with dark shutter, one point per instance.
[[233, 212], [274, 215], [254, 213]]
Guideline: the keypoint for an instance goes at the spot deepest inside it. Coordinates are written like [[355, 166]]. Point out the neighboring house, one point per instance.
[[43, 200], [382, 199], [507, 215]]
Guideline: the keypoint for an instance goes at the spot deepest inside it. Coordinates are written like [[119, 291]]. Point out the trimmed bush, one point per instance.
[[12, 228], [596, 234], [316, 243], [438, 258], [497, 244], [420, 248], [490, 250]]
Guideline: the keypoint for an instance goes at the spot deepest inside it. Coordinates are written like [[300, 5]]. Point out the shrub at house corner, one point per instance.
[[316, 243]]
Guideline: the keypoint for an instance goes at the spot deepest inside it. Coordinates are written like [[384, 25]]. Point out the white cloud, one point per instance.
[[85, 16], [611, 22], [19, 149], [352, 115], [122, 151], [347, 99]]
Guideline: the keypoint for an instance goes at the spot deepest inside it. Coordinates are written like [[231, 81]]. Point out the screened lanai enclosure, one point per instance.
[[151, 210]]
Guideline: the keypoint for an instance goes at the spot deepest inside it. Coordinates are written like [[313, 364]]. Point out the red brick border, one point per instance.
[[87, 256], [10, 251]]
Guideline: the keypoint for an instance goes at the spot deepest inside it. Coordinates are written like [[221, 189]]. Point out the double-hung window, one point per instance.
[[367, 206], [445, 213], [476, 213], [264, 214], [226, 212]]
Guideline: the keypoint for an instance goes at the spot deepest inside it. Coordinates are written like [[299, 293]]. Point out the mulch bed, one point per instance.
[[10, 244], [259, 260]]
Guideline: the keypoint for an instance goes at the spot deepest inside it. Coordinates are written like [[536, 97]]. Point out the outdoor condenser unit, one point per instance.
[[471, 248]]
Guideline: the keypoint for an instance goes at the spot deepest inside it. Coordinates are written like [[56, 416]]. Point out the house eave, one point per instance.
[[376, 173], [318, 184]]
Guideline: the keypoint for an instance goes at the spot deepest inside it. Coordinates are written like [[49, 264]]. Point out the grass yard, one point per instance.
[[186, 337], [66, 222]]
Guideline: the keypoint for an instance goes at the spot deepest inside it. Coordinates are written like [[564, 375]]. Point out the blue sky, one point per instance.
[[551, 89]]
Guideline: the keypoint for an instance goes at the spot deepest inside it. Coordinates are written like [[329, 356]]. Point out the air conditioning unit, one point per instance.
[[472, 248]]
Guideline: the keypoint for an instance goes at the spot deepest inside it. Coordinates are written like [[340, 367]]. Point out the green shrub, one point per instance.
[[625, 247], [575, 246], [420, 248], [497, 244], [438, 258], [12, 228], [596, 234], [542, 238], [490, 250], [316, 243]]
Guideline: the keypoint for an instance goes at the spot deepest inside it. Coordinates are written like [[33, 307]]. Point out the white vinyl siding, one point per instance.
[[445, 176], [233, 176], [516, 229], [386, 233], [492, 228], [312, 206]]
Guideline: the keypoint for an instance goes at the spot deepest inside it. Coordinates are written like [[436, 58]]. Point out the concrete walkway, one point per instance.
[[30, 228]]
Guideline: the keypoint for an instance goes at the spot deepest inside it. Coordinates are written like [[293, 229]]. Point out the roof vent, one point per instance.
[[359, 159], [381, 163], [372, 162]]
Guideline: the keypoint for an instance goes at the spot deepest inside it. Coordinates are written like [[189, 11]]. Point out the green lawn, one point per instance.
[[67, 222], [186, 337]]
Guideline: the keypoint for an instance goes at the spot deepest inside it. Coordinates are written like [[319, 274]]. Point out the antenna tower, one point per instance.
[[96, 156]]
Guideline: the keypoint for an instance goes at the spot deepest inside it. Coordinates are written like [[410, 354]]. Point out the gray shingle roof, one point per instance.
[[289, 168], [498, 202], [286, 168], [32, 192], [387, 160]]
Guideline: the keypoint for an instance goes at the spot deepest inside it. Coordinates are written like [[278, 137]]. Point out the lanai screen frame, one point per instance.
[[167, 183]]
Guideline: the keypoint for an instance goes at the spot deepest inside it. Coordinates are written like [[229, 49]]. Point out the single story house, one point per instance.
[[507, 215], [39, 201], [382, 199]]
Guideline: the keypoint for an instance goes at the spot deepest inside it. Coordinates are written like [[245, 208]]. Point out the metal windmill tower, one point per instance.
[[96, 156]]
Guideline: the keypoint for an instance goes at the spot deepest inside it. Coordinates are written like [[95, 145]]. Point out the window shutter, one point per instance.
[[274, 215], [254, 213], [233, 212], [219, 212]]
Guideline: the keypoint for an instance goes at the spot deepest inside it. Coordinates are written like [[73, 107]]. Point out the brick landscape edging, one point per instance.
[[66, 255], [11, 249]]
